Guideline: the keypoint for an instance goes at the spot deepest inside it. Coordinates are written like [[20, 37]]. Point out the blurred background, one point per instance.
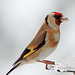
[[19, 22]]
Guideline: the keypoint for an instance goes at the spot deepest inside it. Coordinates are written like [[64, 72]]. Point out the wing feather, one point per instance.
[[36, 43]]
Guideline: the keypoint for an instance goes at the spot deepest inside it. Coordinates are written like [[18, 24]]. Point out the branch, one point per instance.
[[68, 65]]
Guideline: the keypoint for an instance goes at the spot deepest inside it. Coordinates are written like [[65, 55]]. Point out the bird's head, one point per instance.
[[55, 18]]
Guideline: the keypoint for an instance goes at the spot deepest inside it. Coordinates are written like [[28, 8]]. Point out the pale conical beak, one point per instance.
[[64, 18]]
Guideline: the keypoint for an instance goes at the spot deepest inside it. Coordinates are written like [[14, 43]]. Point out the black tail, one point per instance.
[[13, 68]]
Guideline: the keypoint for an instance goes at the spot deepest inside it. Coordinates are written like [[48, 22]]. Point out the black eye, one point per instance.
[[57, 16]]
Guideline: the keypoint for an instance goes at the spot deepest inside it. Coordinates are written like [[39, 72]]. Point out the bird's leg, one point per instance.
[[46, 67], [47, 62]]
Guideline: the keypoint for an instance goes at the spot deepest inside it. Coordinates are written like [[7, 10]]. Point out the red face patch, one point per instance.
[[57, 20], [57, 13]]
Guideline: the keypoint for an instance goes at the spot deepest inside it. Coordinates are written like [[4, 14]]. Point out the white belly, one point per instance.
[[45, 53], [47, 50]]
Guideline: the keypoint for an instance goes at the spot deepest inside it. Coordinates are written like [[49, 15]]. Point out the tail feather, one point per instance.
[[17, 61], [13, 68]]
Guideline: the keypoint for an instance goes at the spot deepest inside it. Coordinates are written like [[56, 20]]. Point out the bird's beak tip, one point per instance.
[[64, 18]]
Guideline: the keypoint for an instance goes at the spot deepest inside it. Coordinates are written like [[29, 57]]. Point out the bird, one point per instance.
[[44, 43]]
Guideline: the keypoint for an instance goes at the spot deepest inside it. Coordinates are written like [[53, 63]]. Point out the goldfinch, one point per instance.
[[44, 43]]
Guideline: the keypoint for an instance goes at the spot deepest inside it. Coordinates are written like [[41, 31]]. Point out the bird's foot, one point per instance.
[[47, 62]]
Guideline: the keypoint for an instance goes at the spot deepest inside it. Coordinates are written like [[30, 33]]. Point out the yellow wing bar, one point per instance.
[[31, 51]]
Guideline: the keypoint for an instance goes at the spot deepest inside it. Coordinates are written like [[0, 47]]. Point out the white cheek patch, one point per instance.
[[57, 36]]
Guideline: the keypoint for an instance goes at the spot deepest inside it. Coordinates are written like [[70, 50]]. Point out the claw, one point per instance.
[[47, 62], [47, 67]]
